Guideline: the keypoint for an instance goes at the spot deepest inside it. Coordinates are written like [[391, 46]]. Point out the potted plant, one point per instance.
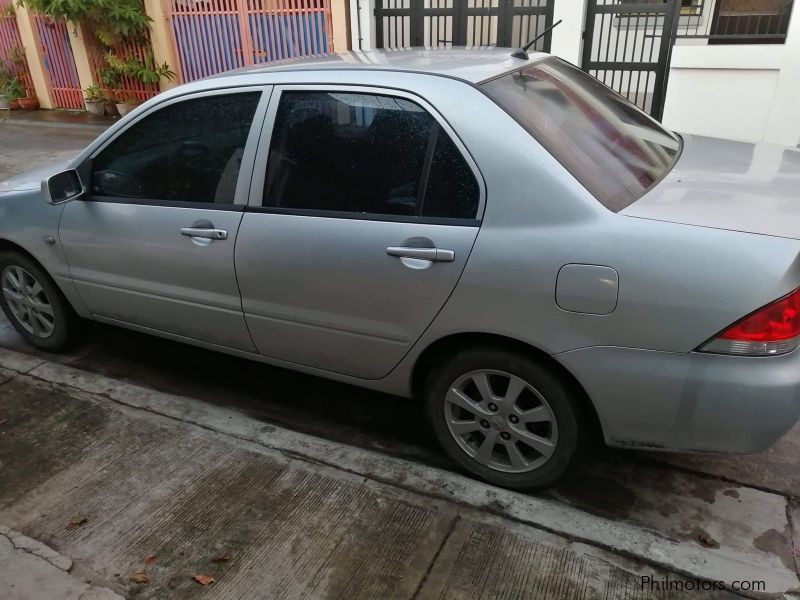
[[110, 77], [110, 106], [13, 90], [27, 102], [146, 70], [127, 105], [94, 97]]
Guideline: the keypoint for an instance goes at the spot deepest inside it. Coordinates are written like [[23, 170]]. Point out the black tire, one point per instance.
[[64, 318], [559, 398]]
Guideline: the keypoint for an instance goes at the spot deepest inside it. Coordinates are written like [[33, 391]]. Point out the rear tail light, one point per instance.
[[773, 329]]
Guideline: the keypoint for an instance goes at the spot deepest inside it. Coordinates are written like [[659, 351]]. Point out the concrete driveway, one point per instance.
[[24, 147], [324, 490]]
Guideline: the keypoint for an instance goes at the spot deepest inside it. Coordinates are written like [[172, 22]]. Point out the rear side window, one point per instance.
[[614, 149], [365, 154], [189, 151]]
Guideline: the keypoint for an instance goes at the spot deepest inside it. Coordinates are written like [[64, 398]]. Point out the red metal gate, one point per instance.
[[12, 53], [59, 62], [218, 35]]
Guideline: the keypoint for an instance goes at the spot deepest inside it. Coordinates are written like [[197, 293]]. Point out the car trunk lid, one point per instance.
[[753, 188]]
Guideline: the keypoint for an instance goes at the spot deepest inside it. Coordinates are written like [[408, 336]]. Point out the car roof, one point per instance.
[[471, 64]]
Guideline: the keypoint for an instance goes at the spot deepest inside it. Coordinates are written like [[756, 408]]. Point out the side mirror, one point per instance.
[[62, 187]]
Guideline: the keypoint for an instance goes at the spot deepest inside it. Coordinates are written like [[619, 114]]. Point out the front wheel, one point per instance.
[[504, 418], [33, 304]]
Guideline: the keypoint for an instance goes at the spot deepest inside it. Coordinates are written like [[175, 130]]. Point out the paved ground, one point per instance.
[[32, 571], [146, 492], [24, 147], [75, 119], [714, 516]]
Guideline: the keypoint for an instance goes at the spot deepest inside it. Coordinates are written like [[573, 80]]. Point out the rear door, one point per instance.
[[363, 212]]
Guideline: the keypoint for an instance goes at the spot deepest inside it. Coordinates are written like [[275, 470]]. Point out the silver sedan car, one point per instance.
[[505, 238]]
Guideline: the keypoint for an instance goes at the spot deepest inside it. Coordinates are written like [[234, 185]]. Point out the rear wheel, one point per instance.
[[504, 418], [33, 304]]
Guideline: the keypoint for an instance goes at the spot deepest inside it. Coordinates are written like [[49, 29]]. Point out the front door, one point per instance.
[[152, 244], [361, 229]]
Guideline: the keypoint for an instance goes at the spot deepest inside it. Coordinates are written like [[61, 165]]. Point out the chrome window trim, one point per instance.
[[260, 174]]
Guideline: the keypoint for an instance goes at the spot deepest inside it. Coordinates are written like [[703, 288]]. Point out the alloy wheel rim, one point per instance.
[[28, 302], [501, 421]]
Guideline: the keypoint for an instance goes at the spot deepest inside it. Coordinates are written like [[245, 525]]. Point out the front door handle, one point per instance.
[[206, 233], [431, 254]]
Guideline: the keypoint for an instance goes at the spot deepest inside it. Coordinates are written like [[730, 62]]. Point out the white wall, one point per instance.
[[783, 125], [721, 103], [742, 92], [363, 10], [566, 38]]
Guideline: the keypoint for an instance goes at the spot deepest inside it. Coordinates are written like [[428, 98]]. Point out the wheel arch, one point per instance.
[[7, 245], [448, 345]]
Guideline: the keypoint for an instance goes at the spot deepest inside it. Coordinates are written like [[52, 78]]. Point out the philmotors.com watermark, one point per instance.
[[677, 584]]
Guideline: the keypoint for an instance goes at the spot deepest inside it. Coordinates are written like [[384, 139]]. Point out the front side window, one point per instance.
[[362, 154], [614, 149], [189, 151]]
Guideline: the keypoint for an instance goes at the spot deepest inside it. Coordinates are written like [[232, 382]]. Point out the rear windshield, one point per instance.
[[611, 147]]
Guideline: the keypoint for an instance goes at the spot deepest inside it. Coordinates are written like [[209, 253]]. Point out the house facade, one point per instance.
[[56, 60], [726, 68]]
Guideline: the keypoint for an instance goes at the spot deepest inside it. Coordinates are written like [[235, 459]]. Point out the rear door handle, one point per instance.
[[201, 232], [431, 254]]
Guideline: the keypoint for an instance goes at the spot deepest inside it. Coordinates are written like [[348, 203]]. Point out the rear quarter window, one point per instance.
[[614, 149]]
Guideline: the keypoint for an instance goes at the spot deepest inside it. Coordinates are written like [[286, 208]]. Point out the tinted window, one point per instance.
[[364, 153], [189, 151], [452, 189], [614, 149]]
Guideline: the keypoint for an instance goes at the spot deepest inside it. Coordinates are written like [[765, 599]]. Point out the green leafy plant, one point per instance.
[[111, 21], [110, 77], [147, 71], [13, 89], [12, 66], [8, 10], [12, 69], [6, 73], [94, 92], [131, 100], [17, 56]]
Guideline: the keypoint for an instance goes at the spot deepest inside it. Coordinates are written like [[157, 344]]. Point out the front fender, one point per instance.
[[30, 224]]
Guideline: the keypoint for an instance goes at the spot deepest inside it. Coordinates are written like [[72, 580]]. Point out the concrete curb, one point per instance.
[[683, 557], [31, 546]]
